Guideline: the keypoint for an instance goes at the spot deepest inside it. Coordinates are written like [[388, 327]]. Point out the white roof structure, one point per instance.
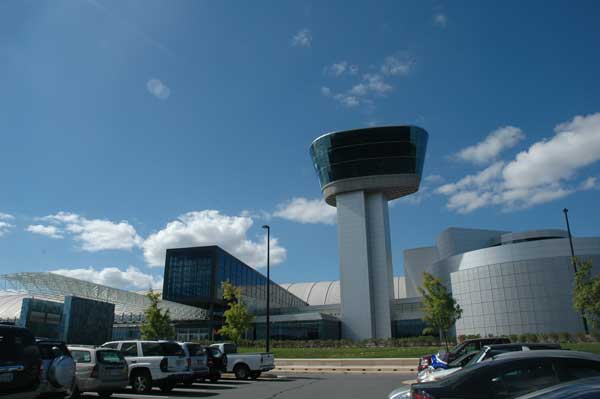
[[54, 287], [328, 292]]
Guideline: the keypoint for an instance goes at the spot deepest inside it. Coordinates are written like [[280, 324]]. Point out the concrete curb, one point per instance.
[[324, 369]]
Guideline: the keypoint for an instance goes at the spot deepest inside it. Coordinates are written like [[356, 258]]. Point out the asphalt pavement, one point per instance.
[[286, 386]]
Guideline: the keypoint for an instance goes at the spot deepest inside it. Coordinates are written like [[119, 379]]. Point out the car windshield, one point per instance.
[[196, 350], [464, 358], [171, 349], [110, 357], [475, 358]]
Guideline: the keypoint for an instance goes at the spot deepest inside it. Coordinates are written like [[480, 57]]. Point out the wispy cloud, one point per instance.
[[440, 19], [131, 278], [158, 89], [302, 38], [367, 87], [132, 27], [48, 231]]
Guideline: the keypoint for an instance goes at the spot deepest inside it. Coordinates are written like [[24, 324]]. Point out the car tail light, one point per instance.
[[189, 362], [164, 364], [421, 395], [40, 367], [94, 372], [210, 362]]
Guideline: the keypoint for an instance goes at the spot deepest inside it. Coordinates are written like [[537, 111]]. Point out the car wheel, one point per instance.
[[105, 395], [73, 393], [167, 386], [241, 371], [255, 374], [141, 382]]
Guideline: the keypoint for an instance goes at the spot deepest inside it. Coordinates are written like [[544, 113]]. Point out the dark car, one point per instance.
[[585, 388], [216, 362], [470, 345], [511, 375], [489, 351], [20, 363]]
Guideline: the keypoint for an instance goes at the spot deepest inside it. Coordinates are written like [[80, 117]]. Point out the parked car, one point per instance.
[[100, 370], [216, 362], [153, 363], [585, 388], [245, 365], [20, 363], [196, 358], [487, 352], [58, 369], [510, 375], [470, 345]]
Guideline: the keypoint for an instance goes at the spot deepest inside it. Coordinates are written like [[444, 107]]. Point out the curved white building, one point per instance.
[[506, 283]]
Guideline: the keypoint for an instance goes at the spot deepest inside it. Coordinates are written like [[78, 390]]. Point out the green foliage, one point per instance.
[[586, 292], [237, 317], [441, 310], [157, 325]]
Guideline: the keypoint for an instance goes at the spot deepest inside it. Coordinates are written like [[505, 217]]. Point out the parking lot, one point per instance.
[[293, 386]]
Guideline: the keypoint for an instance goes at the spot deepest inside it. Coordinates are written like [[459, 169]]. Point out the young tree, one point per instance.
[[237, 317], [441, 310], [157, 324], [586, 292]]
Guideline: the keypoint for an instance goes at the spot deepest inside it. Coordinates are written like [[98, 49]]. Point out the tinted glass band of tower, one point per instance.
[[388, 159]]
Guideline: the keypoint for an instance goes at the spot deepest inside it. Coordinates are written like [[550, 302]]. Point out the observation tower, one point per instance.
[[361, 170]]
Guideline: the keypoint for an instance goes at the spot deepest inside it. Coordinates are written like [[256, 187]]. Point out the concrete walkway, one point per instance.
[[355, 365]]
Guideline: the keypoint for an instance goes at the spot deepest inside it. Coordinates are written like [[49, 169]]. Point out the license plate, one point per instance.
[[116, 372], [6, 377]]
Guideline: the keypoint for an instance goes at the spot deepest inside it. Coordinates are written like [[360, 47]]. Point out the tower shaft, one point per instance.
[[366, 276]]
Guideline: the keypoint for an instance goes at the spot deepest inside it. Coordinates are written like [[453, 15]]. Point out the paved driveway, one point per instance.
[[290, 386]]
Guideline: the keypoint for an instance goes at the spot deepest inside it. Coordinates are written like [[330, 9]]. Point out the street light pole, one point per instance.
[[268, 340], [573, 262]]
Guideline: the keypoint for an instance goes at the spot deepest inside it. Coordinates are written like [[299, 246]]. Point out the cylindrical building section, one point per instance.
[[360, 171]]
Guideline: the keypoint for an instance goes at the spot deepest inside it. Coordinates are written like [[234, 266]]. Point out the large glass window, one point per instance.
[[189, 276], [368, 152]]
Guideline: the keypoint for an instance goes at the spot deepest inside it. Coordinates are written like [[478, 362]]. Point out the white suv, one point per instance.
[[153, 363]]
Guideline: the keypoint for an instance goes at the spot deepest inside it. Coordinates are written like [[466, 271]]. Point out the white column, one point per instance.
[[366, 279], [380, 263]]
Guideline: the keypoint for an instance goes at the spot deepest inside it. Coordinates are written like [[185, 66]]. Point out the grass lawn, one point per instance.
[[312, 353]]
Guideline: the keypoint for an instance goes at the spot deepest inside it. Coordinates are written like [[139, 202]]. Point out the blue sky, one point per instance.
[[128, 127]]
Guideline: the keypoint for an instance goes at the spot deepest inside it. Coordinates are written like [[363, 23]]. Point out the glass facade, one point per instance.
[[408, 328], [299, 330], [194, 276], [368, 152]]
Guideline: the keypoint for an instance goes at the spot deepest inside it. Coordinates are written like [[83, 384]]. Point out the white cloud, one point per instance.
[[96, 234], [158, 89], [477, 180], [393, 65], [489, 149], [341, 68], [576, 144], [302, 39], [347, 100], [589, 183], [440, 20], [132, 278], [433, 179], [305, 210], [6, 216], [209, 227], [48, 231], [5, 227], [541, 174], [326, 91]]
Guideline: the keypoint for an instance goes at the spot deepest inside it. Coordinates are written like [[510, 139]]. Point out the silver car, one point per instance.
[[99, 370]]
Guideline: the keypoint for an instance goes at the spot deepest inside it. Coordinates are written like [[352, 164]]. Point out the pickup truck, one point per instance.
[[245, 365]]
